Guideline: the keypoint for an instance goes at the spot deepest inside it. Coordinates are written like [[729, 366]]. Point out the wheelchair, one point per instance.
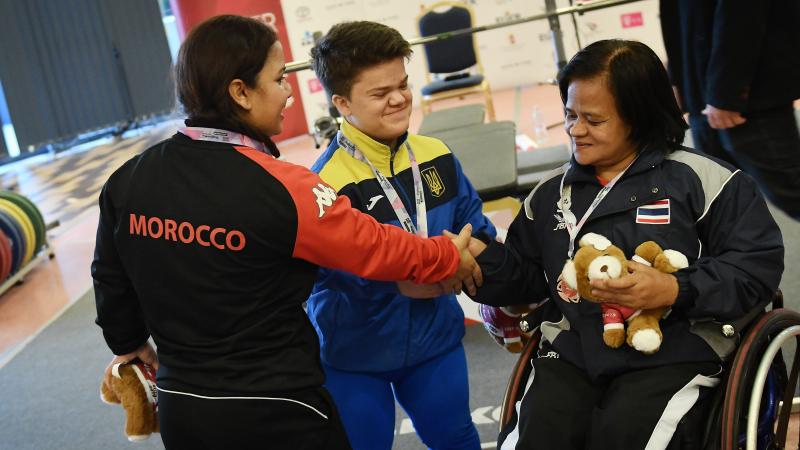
[[747, 409]]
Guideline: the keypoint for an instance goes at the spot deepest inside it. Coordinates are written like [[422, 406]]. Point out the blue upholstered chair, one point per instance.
[[454, 67]]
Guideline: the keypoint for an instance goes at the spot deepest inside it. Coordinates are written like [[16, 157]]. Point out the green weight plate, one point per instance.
[[33, 212]]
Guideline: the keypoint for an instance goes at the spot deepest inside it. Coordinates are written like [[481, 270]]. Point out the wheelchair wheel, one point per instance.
[[516, 388], [745, 371]]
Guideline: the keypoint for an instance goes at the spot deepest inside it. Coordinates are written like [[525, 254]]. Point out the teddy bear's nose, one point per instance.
[[604, 268]]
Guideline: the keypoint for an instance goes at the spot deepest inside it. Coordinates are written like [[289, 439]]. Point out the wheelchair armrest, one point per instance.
[[723, 336], [531, 320], [736, 327]]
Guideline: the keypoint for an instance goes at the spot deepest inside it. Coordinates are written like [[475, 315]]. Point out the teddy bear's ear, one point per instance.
[[570, 275], [647, 252], [595, 240], [677, 259]]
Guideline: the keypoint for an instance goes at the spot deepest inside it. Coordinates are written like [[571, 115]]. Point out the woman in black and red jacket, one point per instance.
[[210, 245]]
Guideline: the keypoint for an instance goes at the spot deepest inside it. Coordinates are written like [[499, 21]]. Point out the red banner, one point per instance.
[[189, 13]]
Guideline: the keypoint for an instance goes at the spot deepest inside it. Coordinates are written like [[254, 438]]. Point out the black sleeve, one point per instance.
[[742, 258], [512, 272], [670, 31], [118, 311], [740, 27]]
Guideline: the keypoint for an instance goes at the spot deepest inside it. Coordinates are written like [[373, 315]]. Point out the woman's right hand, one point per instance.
[[469, 272]]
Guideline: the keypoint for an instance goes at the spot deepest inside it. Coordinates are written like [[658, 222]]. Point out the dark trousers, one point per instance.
[[297, 421], [767, 147], [562, 409]]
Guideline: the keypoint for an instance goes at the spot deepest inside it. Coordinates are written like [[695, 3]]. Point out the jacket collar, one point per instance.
[[649, 157], [624, 196], [235, 126], [380, 155]]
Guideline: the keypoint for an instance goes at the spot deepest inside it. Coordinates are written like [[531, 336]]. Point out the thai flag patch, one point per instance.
[[654, 213]]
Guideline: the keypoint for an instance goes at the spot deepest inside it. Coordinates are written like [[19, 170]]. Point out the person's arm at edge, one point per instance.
[[118, 311], [739, 30]]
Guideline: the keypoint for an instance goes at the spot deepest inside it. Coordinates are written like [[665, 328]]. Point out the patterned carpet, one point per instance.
[[65, 184]]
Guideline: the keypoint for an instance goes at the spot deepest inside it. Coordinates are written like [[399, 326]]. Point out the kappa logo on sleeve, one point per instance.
[[325, 197]]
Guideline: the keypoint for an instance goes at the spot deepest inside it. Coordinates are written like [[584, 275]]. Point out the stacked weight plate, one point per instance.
[[22, 232]]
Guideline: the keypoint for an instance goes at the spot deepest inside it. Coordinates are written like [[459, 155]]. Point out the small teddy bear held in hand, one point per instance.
[[597, 258], [133, 385], [502, 324], [668, 261]]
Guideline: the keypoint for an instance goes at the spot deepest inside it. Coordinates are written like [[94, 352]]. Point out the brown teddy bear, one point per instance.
[[133, 385], [642, 327], [597, 258]]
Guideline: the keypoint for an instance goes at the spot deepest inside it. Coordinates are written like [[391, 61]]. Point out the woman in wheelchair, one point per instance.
[[631, 181]]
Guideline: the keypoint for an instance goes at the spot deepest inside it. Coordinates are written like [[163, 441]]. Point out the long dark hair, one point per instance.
[[216, 52], [640, 85]]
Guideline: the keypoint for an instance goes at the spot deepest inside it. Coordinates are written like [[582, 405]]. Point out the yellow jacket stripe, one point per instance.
[[342, 169]]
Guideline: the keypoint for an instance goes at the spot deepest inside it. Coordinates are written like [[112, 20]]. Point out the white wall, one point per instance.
[[511, 56]]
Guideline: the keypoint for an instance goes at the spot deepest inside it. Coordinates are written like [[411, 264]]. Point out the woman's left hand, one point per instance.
[[146, 353], [643, 288]]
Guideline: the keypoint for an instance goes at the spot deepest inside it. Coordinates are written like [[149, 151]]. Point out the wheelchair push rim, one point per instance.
[[743, 376]]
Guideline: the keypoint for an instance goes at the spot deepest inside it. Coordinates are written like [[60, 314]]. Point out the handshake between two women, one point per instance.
[[468, 276]]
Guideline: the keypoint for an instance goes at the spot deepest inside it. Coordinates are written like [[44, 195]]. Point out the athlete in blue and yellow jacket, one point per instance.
[[370, 326], [378, 344]]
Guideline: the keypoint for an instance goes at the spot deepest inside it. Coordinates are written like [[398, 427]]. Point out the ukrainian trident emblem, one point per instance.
[[434, 181]]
